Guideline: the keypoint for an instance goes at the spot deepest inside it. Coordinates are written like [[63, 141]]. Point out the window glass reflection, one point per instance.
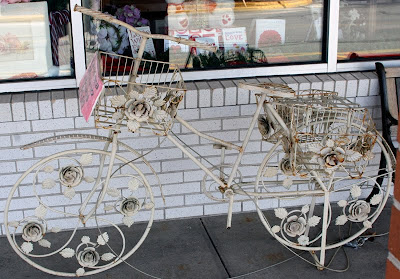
[[246, 32], [35, 39], [368, 30]]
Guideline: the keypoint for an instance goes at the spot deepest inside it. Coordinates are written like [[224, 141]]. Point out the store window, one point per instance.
[[35, 40], [247, 33], [369, 30]]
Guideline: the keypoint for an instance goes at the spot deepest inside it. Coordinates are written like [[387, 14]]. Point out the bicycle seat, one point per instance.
[[271, 89]]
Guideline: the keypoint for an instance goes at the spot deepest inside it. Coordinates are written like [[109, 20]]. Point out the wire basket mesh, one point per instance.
[[144, 103], [325, 133]]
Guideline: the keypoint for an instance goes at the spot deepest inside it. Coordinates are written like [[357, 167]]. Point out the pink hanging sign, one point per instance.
[[90, 87]]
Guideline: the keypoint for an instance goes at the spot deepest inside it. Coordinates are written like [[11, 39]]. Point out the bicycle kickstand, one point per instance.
[[229, 193]]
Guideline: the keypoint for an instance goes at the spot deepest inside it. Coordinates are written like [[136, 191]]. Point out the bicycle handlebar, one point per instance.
[[111, 19]]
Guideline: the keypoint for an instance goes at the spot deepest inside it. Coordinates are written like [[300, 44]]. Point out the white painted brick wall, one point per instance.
[[216, 107]]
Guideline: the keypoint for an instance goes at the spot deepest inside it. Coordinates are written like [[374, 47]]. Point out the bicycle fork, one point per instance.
[[103, 192]]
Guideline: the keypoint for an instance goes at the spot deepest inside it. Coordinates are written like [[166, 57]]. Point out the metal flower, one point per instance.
[[33, 231], [286, 166], [295, 226], [88, 257], [139, 110], [129, 206], [71, 175], [331, 158], [358, 211]]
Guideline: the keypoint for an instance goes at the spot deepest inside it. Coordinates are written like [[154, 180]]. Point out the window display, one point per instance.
[[246, 33], [35, 39]]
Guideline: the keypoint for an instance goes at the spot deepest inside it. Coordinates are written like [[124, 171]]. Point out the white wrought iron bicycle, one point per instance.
[[322, 148]]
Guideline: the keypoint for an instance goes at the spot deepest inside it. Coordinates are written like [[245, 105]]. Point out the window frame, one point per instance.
[[332, 65]]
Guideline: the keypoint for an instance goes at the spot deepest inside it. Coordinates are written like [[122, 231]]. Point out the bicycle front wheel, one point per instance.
[[67, 189]]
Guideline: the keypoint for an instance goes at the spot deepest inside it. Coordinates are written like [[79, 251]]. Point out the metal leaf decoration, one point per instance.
[[355, 191], [118, 101], [303, 240], [353, 156], [85, 239], [341, 220], [133, 184], [133, 125], [103, 239], [134, 94], [305, 209], [44, 243], [55, 229], [150, 92], [376, 199], [69, 193], [67, 253], [86, 159], [27, 247], [287, 183], [48, 183], [80, 271], [275, 229], [159, 114], [281, 213], [148, 205], [41, 211], [48, 169], [159, 102], [128, 221], [313, 221], [342, 203], [89, 179], [13, 224], [271, 172], [315, 147], [330, 143], [113, 192], [367, 224], [108, 207], [369, 155], [117, 115], [107, 257]]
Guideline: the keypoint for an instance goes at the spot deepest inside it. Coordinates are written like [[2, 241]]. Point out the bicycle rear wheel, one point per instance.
[[315, 223]]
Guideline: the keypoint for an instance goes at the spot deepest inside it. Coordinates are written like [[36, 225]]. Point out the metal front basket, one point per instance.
[[146, 103], [326, 133]]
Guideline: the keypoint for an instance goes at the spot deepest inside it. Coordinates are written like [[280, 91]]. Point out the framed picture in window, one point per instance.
[[25, 48]]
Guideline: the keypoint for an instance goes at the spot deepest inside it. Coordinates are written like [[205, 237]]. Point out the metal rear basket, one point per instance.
[[144, 104], [325, 131]]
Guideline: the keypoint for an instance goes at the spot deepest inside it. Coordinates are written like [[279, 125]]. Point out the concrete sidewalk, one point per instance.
[[203, 248]]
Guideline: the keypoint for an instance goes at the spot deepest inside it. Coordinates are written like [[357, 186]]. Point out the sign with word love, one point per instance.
[[234, 38], [90, 87]]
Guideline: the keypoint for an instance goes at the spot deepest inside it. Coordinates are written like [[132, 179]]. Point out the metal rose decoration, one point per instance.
[[139, 110], [71, 175], [331, 158], [286, 166], [295, 226], [33, 231], [358, 211], [88, 257], [129, 206]]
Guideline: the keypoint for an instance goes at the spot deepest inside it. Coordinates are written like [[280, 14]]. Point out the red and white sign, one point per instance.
[[270, 32], [90, 87], [234, 37]]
